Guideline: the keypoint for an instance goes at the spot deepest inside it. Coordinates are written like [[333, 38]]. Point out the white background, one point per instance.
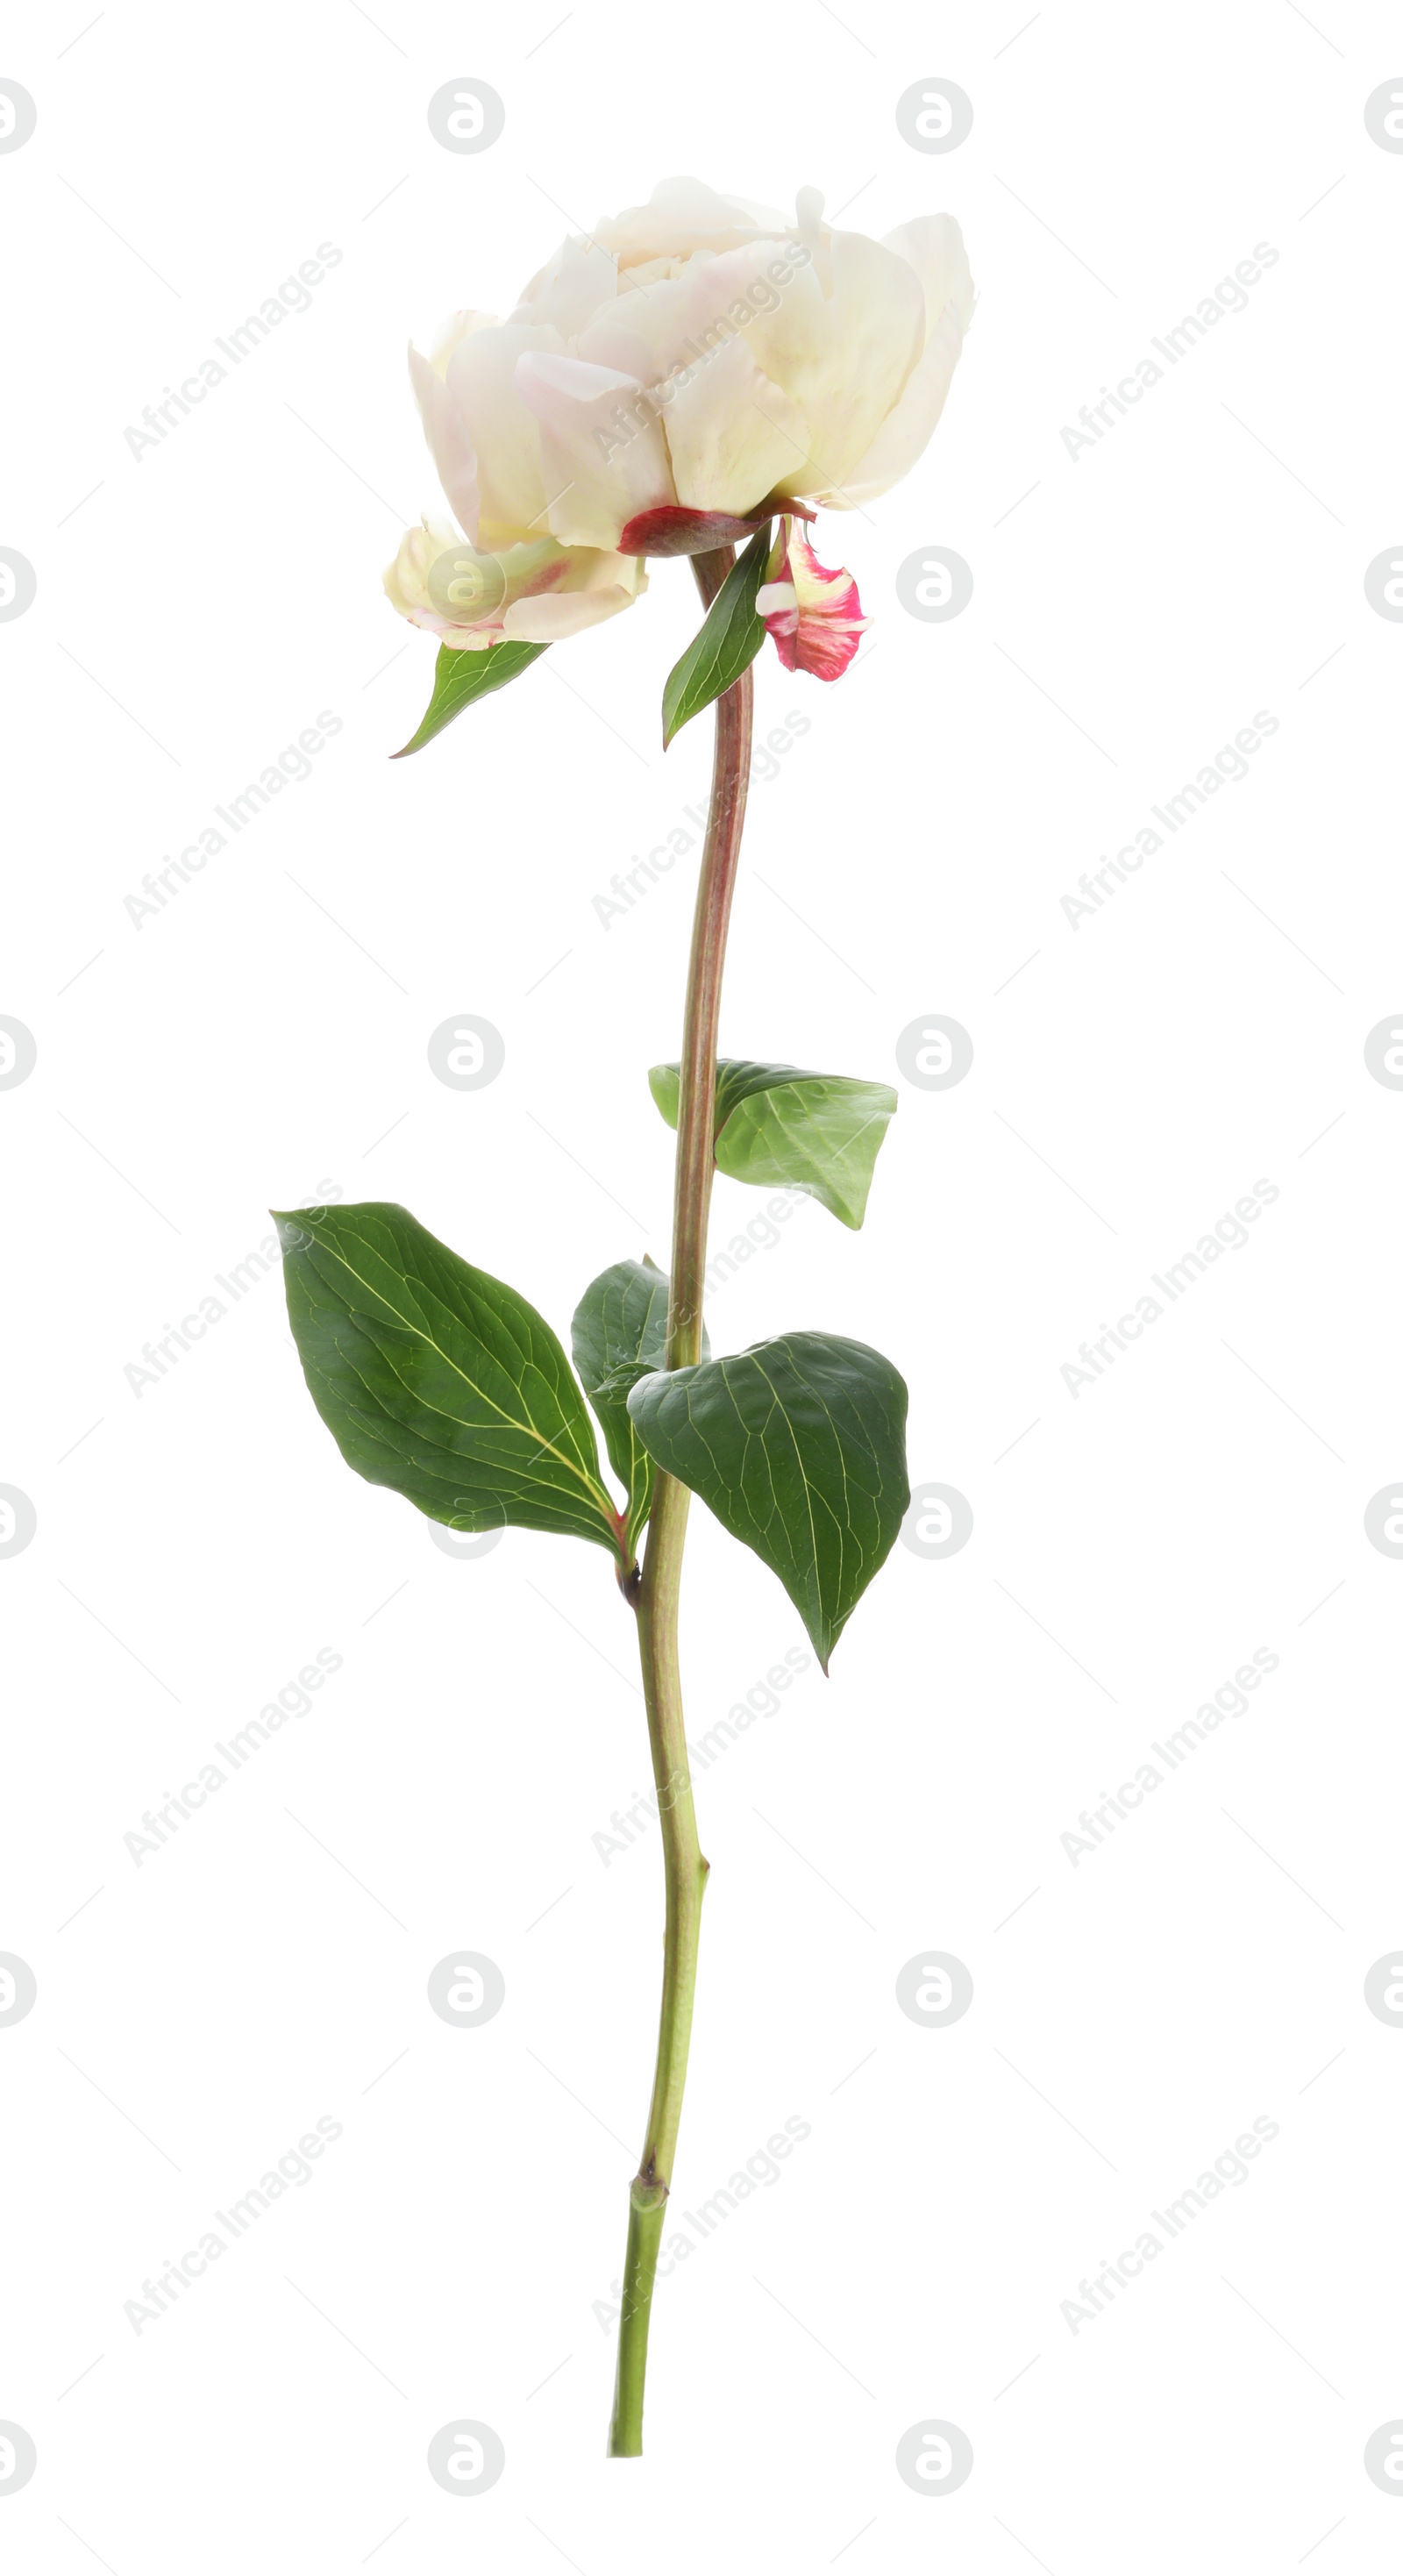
[[1133, 1077]]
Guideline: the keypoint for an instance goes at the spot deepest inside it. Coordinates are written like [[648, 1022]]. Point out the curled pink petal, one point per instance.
[[671, 530], [814, 615]]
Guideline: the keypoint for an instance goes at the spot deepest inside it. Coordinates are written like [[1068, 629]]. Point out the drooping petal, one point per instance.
[[814, 615], [602, 450]]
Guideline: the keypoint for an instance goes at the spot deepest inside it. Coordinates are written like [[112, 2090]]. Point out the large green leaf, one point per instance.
[[460, 678], [799, 1447], [727, 644], [778, 1126], [437, 1380], [619, 1335]]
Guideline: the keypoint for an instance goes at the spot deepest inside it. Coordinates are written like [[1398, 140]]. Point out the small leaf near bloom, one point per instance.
[[726, 645], [814, 615]]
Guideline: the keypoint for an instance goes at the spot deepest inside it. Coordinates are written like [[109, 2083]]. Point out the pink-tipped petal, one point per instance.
[[814, 615]]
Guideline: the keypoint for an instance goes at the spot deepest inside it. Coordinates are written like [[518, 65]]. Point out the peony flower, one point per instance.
[[697, 355], [814, 615]]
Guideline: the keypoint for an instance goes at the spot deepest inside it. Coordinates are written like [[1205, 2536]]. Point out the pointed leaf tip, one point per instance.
[[798, 1446], [460, 678]]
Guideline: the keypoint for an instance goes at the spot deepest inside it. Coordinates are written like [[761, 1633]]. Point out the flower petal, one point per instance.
[[675, 531], [580, 278], [907, 430], [842, 356], [934, 246], [732, 433], [683, 216], [814, 615], [449, 444], [569, 612], [535, 592], [602, 450], [512, 492]]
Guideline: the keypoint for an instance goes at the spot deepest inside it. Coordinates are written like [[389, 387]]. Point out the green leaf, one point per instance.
[[727, 644], [460, 677], [777, 1126], [437, 1380], [799, 1447], [619, 1335]]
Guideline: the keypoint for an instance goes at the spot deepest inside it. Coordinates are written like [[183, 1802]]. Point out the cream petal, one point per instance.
[[407, 585], [459, 326], [406, 578], [934, 246], [842, 358], [815, 236], [550, 621], [642, 332], [602, 451], [449, 444], [907, 430], [549, 591], [511, 488], [459, 639], [660, 327], [681, 216], [732, 433], [571, 287]]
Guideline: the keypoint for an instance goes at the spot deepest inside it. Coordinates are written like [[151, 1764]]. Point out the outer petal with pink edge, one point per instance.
[[814, 615]]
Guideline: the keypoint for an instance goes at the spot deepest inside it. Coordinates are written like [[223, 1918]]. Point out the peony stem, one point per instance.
[[684, 1868]]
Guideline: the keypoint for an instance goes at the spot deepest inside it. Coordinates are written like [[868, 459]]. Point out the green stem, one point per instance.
[[684, 1868]]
